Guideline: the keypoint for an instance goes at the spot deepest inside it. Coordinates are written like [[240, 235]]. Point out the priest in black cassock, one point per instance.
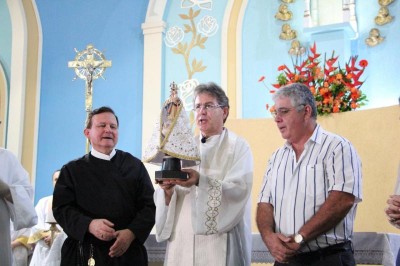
[[104, 200]]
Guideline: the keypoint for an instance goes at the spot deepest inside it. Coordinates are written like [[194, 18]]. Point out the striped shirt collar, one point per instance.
[[317, 134], [103, 156], [315, 137]]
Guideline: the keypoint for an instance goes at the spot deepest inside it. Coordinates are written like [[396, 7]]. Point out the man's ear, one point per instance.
[[86, 132], [226, 112], [308, 111]]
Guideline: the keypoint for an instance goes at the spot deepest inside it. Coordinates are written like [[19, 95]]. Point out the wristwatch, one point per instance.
[[299, 239]]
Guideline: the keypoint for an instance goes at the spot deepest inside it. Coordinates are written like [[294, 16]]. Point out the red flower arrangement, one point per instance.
[[335, 89]]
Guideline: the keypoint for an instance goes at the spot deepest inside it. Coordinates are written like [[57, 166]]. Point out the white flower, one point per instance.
[[187, 89], [174, 36], [203, 4], [207, 26]]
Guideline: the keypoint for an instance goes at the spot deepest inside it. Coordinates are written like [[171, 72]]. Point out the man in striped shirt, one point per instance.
[[311, 188]]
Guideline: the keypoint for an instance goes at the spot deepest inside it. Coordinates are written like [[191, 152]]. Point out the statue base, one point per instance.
[[171, 169], [170, 174]]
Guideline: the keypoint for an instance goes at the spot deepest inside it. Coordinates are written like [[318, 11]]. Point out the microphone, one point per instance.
[[203, 140]]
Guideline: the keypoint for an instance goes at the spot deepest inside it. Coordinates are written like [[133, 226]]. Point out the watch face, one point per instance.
[[298, 238]]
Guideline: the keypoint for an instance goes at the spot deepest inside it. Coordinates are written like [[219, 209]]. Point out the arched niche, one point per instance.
[[330, 12]]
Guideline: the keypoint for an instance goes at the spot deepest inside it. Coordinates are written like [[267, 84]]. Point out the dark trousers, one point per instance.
[[336, 255]]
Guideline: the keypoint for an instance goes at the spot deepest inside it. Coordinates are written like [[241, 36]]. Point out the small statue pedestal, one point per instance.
[[171, 169]]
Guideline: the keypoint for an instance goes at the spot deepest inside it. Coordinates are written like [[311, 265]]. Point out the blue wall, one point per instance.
[[114, 27], [175, 69], [5, 49], [5, 38]]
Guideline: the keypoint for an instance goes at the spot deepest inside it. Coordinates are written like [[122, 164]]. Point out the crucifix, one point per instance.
[[89, 64]]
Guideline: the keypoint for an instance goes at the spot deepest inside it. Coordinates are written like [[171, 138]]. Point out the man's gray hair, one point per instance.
[[215, 91], [299, 94]]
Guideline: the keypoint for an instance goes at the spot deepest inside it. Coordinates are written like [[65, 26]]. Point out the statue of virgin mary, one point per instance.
[[172, 135]]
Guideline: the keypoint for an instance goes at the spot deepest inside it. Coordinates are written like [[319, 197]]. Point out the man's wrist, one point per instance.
[[267, 232]]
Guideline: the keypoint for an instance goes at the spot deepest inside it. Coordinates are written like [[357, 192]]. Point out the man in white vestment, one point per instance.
[[207, 218], [16, 203], [47, 251]]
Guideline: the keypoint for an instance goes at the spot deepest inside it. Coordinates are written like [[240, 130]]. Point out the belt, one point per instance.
[[325, 252]]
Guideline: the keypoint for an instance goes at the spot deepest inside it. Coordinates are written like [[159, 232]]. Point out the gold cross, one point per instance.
[[89, 64]]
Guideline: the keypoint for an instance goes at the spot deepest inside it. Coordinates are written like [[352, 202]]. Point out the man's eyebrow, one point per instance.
[[205, 103]]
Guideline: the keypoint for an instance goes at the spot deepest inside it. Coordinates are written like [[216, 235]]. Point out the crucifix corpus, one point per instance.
[[89, 64]]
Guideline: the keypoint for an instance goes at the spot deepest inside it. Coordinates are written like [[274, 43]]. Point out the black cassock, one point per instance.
[[119, 190]]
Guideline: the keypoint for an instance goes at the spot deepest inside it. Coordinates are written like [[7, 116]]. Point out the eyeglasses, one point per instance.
[[207, 107], [281, 112]]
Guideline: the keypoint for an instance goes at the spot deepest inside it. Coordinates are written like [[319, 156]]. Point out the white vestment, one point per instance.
[[20, 211], [210, 224], [43, 255], [22, 252]]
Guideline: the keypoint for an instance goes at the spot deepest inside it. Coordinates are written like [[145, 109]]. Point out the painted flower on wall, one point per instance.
[[207, 26], [186, 89], [174, 36], [203, 4], [185, 48], [335, 89]]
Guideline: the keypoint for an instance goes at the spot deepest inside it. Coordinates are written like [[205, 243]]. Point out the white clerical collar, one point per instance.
[[103, 156]]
